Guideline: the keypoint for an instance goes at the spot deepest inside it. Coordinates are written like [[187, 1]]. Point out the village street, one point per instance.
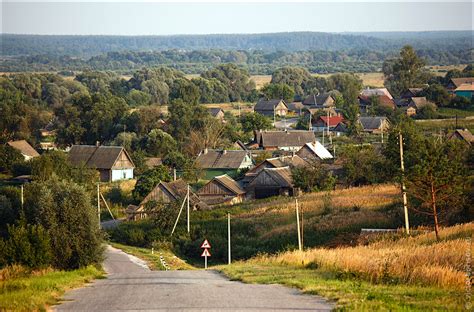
[[131, 286]]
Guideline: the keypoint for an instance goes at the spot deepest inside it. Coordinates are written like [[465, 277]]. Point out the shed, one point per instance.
[[419, 102], [222, 190], [320, 101], [217, 113], [272, 182], [374, 124], [272, 107], [112, 162], [377, 91], [314, 151], [24, 148], [288, 140], [462, 134]]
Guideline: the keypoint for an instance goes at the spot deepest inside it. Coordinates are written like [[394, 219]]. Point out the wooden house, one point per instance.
[[365, 102], [411, 92], [217, 113], [376, 92], [314, 151], [419, 102], [112, 162], [288, 140], [296, 107], [272, 182], [165, 193], [463, 135], [455, 83], [324, 122], [222, 190], [374, 124], [319, 101], [218, 162], [465, 90], [275, 162], [26, 150], [271, 108]]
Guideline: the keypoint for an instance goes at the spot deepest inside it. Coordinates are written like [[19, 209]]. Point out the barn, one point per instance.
[[222, 190], [272, 182]]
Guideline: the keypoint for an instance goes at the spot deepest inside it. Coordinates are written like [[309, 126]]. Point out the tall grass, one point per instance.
[[412, 260]]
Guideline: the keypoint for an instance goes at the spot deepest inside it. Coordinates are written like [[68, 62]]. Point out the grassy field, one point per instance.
[[390, 274], [21, 290], [453, 112], [445, 125], [153, 260]]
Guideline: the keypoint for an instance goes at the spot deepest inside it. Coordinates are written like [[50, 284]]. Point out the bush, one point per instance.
[[64, 209], [28, 245]]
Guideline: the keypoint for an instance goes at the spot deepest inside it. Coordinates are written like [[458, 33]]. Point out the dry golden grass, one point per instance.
[[232, 107], [412, 260], [261, 80]]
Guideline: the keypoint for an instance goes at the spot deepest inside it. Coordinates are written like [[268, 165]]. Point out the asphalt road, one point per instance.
[[131, 286]]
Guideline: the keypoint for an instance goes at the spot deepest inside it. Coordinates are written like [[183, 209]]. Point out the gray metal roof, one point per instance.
[[99, 157]]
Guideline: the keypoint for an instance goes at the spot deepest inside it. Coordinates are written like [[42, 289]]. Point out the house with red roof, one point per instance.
[[323, 122]]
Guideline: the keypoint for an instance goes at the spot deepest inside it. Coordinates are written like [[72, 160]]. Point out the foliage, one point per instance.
[[428, 111], [313, 178], [159, 143], [363, 165], [278, 91], [254, 121], [64, 209], [148, 180], [8, 157], [406, 71], [28, 245], [299, 80], [437, 94], [237, 80]]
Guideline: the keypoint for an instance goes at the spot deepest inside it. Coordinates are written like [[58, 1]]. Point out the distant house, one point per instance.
[[409, 110], [222, 190], [323, 122], [411, 92], [288, 140], [314, 151], [112, 162], [465, 90], [374, 124], [217, 113], [218, 162], [165, 193], [419, 102], [271, 107], [376, 92], [383, 100], [272, 182], [24, 148], [296, 107], [463, 135], [455, 83], [275, 162], [152, 162], [319, 101]]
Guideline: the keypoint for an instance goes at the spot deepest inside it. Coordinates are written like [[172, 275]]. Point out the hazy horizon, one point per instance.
[[168, 19]]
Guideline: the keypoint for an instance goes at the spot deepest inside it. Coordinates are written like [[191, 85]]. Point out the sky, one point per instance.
[[161, 18]]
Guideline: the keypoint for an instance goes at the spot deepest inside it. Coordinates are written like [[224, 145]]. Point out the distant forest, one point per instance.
[[258, 53]]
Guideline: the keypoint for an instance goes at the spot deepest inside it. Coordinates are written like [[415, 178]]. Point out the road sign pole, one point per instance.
[[205, 262]]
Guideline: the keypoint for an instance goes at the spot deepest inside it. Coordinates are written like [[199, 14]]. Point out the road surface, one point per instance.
[[131, 286]]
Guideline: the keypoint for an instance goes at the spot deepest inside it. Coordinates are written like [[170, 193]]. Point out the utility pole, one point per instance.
[[98, 202], [179, 215], [404, 191], [298, 225], [228, 236], [274, 116], [189, 229], [174, 173], [323, 136], [302, 227], [22, 197], [329, 133], [310, 124]]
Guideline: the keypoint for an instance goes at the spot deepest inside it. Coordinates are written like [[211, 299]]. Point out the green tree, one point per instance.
[[8, 157], [236, 79], [437, 94], [363, 165], [313, 178], [159, 143], [254, 121], [64, 210], [406, 71], [138, 98], [278, 91], [148, 180], [437, 182]]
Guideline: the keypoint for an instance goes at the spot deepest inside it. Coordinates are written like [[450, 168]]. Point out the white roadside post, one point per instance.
[[228, 236], [187, 195], [298, 225], [404, 191], [98, 203], [22, 197]]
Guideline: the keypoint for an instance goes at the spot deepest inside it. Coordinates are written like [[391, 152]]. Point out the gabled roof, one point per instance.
[[318, 150], [177, 190], [229, 184], [99, 157], [372, 123], [153, 161], [419, 102], [215, 110], [241, 145], [282, 176], [268, 105], [459, 81], [221, 159], [379, 91], [317, 100], [332, 120], [383, 100], [464, 134], [465, 87], [24, 147], [285, 161], [285, 138], [295, 106]]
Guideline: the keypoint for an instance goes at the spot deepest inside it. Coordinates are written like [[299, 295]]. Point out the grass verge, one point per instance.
[[35, 291], [153, 260]]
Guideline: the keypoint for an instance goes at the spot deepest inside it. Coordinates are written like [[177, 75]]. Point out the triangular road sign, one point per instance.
[[206, 253], [205, 244]]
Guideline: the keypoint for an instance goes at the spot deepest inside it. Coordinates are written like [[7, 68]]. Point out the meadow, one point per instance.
[[394, 272], [25, 290]]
